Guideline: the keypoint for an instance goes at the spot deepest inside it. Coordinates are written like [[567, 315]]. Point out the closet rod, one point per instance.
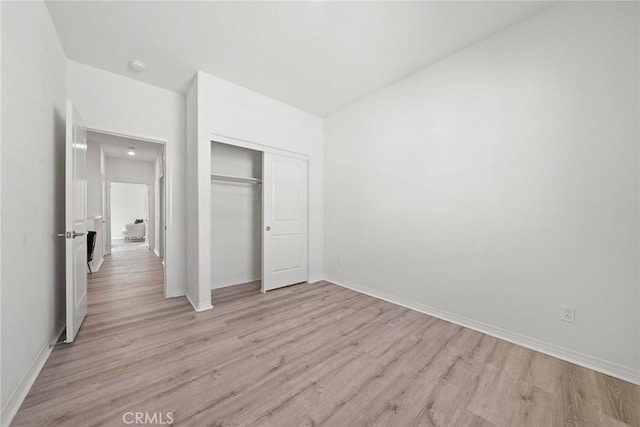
[[229, 178]]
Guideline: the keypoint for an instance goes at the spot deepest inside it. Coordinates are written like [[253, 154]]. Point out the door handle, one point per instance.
[[68, 234], [268, 228]]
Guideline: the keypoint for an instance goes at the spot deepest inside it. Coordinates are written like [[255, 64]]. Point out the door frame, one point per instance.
[[161, 216], [222, 139], [168, 175]]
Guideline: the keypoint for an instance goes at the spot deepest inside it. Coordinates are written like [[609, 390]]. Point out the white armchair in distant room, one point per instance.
[[134, 231]]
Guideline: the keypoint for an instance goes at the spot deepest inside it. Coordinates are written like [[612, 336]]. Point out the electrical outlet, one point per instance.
[[567, 313]]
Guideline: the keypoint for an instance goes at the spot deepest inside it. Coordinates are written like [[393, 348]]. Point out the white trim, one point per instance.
[[20, 393], [96, 267], [232, 282], [315, 279], [229, 140], [613, 369], [128, 136], [309, 218], [1, 408], [176, 295], [201, 307]]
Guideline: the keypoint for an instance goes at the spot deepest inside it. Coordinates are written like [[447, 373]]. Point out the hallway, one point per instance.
[[131, 278]]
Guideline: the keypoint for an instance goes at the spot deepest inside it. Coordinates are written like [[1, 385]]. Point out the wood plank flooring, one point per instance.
[[304, 355]]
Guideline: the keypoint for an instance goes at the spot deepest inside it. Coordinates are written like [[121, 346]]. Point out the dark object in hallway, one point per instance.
[[91, 246]]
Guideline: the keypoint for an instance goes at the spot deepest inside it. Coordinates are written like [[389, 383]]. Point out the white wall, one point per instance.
[[128, 203], [125, 170], [236, 213], [94, 190], [502, 182], [33, 118], [118, 104], [194, 294], [227, 111]]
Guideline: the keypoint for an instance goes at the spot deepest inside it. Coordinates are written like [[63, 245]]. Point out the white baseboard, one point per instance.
[[232, 282], [175, 295], [315, 279], [199, 307], [20, 393], [242, 280], [95, 265], [609, 368]]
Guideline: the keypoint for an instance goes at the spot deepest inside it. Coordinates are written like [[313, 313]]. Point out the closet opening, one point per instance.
[[236, 222], [259, 220]]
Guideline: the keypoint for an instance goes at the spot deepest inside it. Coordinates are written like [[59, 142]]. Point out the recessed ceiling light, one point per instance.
[[137, 65], [132, 151]]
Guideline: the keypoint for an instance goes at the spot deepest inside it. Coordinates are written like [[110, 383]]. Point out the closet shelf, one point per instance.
[[229, 178]]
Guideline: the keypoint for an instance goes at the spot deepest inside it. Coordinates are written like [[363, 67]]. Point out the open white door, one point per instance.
[[284, 233], [75, 221]]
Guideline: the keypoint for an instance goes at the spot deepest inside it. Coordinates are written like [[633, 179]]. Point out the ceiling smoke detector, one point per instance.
[[137, 65], [132, 151]]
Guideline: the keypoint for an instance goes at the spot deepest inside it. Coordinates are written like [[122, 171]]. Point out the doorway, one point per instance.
[[129, 216], [125, 182]]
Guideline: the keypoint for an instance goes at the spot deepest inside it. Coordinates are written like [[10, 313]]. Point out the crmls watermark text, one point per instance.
[[148, 418]]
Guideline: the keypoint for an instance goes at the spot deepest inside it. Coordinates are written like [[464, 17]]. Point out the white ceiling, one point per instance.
[[317, 56], [117, 146]]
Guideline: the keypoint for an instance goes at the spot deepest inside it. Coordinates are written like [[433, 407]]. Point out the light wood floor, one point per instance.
[[303, 355]]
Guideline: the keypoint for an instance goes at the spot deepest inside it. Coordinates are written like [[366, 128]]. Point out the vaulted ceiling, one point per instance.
[[317, 56]]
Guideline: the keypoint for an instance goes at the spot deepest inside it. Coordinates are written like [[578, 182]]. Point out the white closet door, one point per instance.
[[284, 228]]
